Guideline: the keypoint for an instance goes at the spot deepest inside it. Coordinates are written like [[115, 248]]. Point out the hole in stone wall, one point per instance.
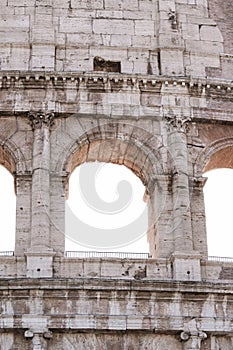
[[159, 62], [218, 192], [100, 64], [105, 210], [149, 68], [7, 210]]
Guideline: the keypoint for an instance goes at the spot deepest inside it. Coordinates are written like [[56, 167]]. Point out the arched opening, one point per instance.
[[118, 152], [7, 211], [218, 194], [105, 210]]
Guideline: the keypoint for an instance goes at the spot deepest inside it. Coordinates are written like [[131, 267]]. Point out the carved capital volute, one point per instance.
[[192, 339], [38, 119]]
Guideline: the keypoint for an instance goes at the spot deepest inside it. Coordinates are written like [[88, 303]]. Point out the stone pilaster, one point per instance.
[[159, 235], [197, 206], [40, 221], [40, 253], [178, 126], [177, 143], [23, 184]]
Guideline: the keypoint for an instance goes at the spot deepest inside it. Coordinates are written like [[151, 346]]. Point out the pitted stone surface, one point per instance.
[[142, 83], [147, 36]]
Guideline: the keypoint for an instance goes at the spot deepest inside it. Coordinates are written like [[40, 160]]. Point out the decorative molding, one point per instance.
[[31, 79], [37, 119], [178, 122]]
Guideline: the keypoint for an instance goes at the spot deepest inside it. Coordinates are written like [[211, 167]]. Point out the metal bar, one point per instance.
[[7, 253], [122, 255], [220, 259]]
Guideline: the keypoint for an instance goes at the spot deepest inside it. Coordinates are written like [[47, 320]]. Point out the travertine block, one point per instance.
[[123, 40], [140, 15], [43, 57], [10, 22], [75, 25], [190, 31], [86, 4], [104, 26], [144, 27], [208, 47], [210, 33], [141, 41], [20, 3], [122, 4], [172, 62], [39, 35], [21, 37], [23, 55], [148, 5], [109, 14], [39, 265]]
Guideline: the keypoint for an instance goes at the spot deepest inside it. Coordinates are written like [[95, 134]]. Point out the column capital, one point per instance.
[[40, 118], [39, 339], [192, 336], [178, 122], [187, 335], [192, 341]]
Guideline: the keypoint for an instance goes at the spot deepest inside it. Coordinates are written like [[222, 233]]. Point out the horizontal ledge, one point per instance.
[[105, 77]]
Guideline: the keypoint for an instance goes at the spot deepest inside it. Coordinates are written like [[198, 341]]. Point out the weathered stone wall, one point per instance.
[[145, 36], [222, 14], [156, 128], [94, 314], [143, 83], [124, 269]]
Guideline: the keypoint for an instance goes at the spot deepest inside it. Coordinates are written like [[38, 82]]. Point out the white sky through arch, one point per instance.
[[218, 192], [7, 210], [107, 178]]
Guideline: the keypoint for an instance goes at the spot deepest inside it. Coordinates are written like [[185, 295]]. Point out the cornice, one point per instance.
[[105, 284], [11, 79]]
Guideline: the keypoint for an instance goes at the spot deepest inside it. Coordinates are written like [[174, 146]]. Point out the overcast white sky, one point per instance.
[[218, 197]]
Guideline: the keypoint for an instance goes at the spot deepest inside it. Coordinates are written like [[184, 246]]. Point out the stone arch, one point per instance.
[[116, 142], [8, 159], [11, 157], [218, 154], [141, 154]]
